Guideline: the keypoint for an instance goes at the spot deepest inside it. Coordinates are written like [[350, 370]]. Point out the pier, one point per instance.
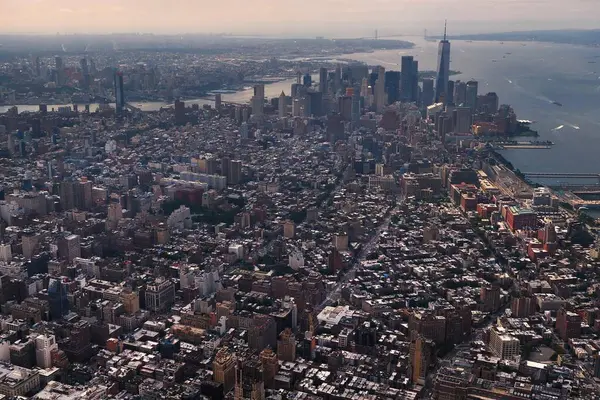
[[513, 145], [565, 175]]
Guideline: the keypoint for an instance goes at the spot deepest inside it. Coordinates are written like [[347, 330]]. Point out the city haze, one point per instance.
[[285, 18]]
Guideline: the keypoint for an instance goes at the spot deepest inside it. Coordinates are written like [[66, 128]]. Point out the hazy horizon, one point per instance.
[[308, 18]]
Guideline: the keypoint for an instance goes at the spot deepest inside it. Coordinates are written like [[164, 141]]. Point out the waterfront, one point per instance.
[[529, 76]]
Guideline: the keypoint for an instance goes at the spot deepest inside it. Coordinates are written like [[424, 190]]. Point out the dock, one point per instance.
[[513, 145]]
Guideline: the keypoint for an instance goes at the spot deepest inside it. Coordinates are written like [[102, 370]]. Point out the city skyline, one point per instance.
[[341, 17]]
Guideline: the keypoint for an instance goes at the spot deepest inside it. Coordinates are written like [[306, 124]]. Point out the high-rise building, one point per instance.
[[180, 113], [522, 307], [5, 253], [471, 95], [460, 93], [345, 107], [69, 247], [130, 300], [82, 194], [568, 324], [160, 295], [316, 103], [503, 345], [234, 173], [262, 332], [37, 66], [450, 96], [407, 79], [44, 344], [337, 82], [249, 379], [415, 81], [307, 80], [270, 366], [462, 119], [490, 298], [282, 105], [488, 103], [286, 346], [297, 90], [380, 90], [421, 352], [428, 92], [115, 212], [323, 80], [58, 297], [356, 106], [224, 369], [596, 364], [289, 229], [60, 71], [443, 69], [218, 101], [392, 86], [258, 100], [119, 92], [30, 243], [85, 72]]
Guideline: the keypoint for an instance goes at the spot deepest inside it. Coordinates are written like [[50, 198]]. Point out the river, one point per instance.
[[529, 76]]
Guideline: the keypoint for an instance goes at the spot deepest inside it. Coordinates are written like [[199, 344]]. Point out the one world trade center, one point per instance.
[[443, 70]]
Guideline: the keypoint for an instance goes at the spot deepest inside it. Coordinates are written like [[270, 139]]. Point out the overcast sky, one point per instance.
[[299, 17]]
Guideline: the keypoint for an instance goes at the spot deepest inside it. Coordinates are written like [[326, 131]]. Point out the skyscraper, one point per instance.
[[224, 369], [307, 80], [421, 352], [119, 92], [323, 80], [460, 93], [415, 81], [380, 90], [58, 297], [338, 79], [428, 92], [443, 71], [471, 95], [407, 78], [356, 106], [392, 86], [462, 119], [316, 103], [60, 71], [450, 93], [85, 72], [258, 100], [282, 105], [286, 346]]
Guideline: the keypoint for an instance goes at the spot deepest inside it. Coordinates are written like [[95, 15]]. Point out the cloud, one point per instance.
[[66, 10]]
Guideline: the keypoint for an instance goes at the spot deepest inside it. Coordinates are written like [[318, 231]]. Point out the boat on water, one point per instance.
[[556, 103]]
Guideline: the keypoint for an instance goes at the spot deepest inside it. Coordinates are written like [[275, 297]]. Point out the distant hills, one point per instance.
[[573, 36], [194, 43]]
